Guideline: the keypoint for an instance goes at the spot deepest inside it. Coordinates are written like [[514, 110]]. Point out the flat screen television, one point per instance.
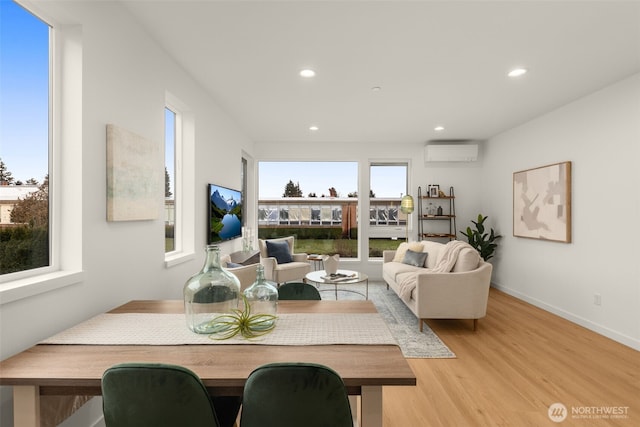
[[225, 213]]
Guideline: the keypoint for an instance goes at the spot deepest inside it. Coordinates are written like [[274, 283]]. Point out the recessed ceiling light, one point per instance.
[[517, 72], [307, 73], [438, 128], [313, 128], [376, 89]]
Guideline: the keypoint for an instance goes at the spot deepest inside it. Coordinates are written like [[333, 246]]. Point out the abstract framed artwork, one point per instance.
[[542, 203], [134, 176]]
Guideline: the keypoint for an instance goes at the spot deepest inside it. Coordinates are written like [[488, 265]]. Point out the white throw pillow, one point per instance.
[[434, 249], [402, 250], [468, 260]]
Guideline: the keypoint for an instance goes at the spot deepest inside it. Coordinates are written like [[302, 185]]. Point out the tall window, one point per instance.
[[170, 118], [25, 140], [387, 224], [314, 201], [180, 202], [244, 167]]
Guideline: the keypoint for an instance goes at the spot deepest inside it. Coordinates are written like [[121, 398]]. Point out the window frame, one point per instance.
[[281, 211], [184, 193], [376, 209], [177, 189], [65, 186]]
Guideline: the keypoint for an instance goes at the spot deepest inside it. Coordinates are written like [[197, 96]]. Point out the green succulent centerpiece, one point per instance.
[[242, 322], [483, 242]]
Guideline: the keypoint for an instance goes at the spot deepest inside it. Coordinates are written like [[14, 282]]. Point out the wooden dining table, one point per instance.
[[70, 370]]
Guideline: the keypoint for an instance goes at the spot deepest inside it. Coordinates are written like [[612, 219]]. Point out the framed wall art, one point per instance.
[[134, 176], [542, 203]]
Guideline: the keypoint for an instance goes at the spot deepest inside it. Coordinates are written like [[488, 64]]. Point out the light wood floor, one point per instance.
[[520, 361]]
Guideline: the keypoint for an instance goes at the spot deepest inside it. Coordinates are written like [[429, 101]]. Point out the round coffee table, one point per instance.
[[344, 277]]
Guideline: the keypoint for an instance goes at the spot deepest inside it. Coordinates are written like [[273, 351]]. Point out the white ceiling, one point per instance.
[[437, 62]]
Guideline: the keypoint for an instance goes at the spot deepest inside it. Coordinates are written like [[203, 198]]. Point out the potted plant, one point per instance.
[[481, 241]]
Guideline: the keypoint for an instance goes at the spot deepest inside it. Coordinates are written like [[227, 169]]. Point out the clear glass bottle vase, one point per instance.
[[262, 297], [210, 293]]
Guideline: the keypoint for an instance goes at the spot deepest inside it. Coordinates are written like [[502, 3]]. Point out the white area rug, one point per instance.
[[400, 320]]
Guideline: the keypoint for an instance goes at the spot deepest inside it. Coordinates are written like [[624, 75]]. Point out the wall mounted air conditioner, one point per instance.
[[451, 153]]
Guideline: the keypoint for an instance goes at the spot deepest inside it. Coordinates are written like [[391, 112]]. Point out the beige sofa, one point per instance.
[[452, 283]]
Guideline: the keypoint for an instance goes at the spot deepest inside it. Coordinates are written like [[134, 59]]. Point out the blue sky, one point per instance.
[[318, 177], [24, 92]]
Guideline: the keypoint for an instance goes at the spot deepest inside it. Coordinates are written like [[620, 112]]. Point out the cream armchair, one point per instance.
[[280, 263], [246, 274]]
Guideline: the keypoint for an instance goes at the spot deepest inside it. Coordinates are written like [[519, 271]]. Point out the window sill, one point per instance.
[[28, 287], [174, 259]]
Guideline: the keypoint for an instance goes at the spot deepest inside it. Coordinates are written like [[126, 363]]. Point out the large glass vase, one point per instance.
[[210, 293]]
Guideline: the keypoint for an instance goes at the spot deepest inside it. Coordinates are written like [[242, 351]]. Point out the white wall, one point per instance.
[[125, 79], [126, 76], [464, 177], [600, 135]]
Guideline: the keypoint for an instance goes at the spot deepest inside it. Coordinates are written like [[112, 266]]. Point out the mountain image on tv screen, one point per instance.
[[225, 213]]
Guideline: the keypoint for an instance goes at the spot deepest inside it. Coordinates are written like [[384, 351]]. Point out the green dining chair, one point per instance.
[[298, 291], [294, 395], [161, 395]]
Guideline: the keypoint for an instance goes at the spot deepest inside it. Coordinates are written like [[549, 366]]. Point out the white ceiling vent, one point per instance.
[[451, 153]]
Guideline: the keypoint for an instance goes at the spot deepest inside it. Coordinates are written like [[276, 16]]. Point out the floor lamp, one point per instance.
[[406, 206]]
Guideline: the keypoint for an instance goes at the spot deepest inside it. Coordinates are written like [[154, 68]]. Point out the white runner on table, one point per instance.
[[171, 329]]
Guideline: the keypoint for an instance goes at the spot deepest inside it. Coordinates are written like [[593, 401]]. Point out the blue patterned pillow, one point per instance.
[[280, 251], [416, 259]]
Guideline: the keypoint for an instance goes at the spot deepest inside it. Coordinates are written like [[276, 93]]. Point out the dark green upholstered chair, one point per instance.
[[295, 395], [160, 395], [298, 290]]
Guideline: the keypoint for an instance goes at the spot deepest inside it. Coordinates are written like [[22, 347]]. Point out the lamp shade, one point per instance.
[[406, 205]]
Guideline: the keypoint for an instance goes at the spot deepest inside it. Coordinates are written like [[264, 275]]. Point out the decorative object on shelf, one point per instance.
[[431, 209], [134, 176], [210, 293], [484, 243], [542, 203], [434, 190], [439, 211], [262, 296], [407, 207], [441, 193], [242, 322], [331, 263]]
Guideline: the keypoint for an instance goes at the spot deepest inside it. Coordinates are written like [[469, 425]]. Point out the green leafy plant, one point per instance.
[[483, 242], [242, 322]]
